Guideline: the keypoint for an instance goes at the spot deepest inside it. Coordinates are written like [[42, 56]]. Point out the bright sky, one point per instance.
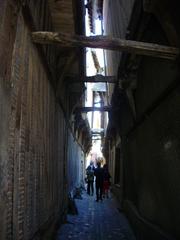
[[90, 71]]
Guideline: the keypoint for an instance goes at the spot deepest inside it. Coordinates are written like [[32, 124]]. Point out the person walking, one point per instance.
[[99, 174], [90, 178], [106, 181]]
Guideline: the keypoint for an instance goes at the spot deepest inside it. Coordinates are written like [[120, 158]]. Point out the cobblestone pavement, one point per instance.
[[96, 221]]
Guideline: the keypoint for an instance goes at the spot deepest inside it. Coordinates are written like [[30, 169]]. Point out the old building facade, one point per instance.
[[40, 143], [44, 138], [142, 143]]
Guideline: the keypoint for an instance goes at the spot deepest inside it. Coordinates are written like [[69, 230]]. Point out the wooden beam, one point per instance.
[[100, 78], [97, 133], [104, 42], [92, 109], [92, 79]]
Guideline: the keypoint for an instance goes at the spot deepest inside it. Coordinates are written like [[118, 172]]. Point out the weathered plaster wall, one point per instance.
[[116, 19], [152, 161], [75, 164], [150, 139], [151, 151]]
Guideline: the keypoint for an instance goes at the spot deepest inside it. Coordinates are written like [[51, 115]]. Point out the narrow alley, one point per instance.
[[96, 221], [89, 94]]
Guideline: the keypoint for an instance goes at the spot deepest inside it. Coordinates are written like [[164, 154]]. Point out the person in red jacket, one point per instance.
[[106, 181]]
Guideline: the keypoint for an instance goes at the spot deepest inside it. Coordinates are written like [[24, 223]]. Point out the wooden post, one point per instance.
[[91, 109], [104, 42]]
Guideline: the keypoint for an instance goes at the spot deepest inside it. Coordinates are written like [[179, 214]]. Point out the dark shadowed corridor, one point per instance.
[[86, 81]]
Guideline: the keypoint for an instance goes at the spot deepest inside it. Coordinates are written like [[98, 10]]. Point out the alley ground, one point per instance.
[[96, 221]]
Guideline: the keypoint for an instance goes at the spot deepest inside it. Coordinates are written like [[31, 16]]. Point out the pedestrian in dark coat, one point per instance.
[[99, 173], [90, 178]]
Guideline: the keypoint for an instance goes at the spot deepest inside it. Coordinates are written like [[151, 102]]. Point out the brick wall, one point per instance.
[[32, 139]]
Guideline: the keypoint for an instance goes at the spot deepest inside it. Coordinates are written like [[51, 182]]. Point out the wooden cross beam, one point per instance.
[[96, 133], [92, 109], [93, 79], [100, 78], [105, 42]]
